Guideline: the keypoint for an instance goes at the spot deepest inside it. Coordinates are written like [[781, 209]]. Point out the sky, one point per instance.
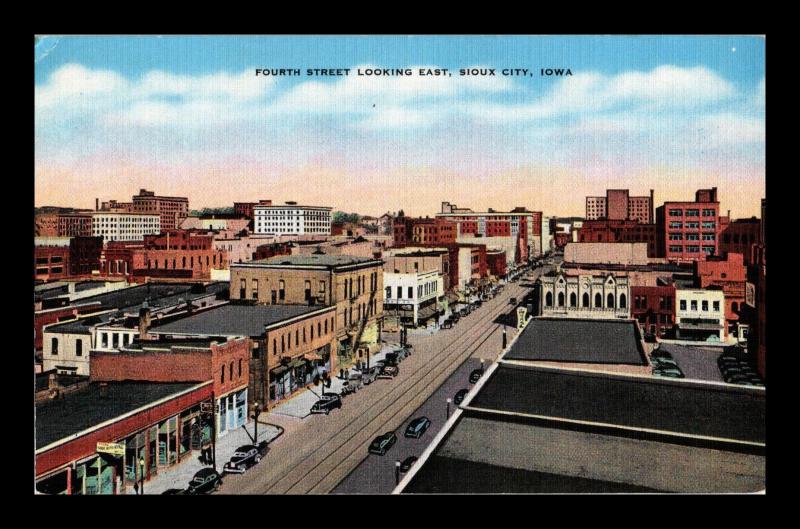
[[188, 116]]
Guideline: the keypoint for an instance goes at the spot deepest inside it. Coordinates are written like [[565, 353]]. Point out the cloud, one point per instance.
[[73, 83]]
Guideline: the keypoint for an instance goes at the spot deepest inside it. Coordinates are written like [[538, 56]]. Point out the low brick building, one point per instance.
[[654, 308], [729, 274]]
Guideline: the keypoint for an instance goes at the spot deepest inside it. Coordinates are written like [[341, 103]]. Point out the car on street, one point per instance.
[[204, 481], [667, 362], [369, 375], [417, 427], [405, 466], [447, 324], [389, 371], [351, 386], [668, 372], [475, 375], [459, 398], [381, 444], [326, 403], [512, 301], [245, 457]]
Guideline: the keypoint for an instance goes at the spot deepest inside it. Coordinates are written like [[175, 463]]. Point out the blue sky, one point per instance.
[[187, 115]]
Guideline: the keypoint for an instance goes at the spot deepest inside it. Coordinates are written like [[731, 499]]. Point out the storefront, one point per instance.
[[232, 411]]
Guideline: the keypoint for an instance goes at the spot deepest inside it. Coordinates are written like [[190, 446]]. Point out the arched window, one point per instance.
[[548, 299], [610, 301], [598, 301], [622, 301], [560, 299], [573, 300], [585, 300]]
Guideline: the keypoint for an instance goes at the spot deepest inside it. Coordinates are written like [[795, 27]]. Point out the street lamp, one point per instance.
[[504, 338], [141, 475], [397, 472], [256, 413], [448, 407]]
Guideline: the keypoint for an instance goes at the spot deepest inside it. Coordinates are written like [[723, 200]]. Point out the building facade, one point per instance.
[[740, 236], [619, 205], [115, 226], [291, 219], [75, 225], [654, 308], [619, 231], [700, 315], [413, 297], [584, 296], [688, 231], [170, 210]]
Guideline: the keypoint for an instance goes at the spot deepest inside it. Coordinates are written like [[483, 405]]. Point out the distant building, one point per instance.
[[51, 258], [729, 274], [739, 236], [292, 219], [619, 205], [113, 226], [654, 308], [628, 231], [410, 230], [687, 231], [45, 225], [700, 315], [606, 253], [245, 209], [75, 225], [171, 210]]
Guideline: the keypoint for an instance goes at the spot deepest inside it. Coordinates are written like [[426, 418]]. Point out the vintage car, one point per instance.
[[381, 444], [245, 457], [204, 481]]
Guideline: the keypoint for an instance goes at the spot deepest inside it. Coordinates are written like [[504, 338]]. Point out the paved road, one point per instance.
[[696, 362], [321, 451]]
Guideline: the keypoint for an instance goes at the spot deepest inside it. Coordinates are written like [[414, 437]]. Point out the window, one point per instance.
[[598, 301], [705, 305], [548, 300], [222, 375], [622, 301], [281, 290], [240, 368], [694, 305], [585, 300], [560, 299], [79, 347], [410, 292], [610, 301], [54, 346], [230, 371], [255, 289], [388, 292], [716, 306], [573, 300], [675, 213], [399, 292], [683, 304]]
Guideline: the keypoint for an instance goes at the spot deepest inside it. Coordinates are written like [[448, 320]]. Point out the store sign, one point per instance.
[[750, 294], [521, 321], [114, 449]]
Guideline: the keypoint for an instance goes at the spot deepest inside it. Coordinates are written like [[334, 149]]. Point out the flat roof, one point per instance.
[[75, 412], [583, 341], [319, 260], [688, 408], [235, 320]]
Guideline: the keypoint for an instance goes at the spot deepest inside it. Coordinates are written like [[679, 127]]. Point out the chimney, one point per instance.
[[144, 322], [97, 204]]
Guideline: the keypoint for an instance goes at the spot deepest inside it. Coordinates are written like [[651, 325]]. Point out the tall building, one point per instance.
[[291, 219], [688, 231], [619, 231], [115, 226], [739, 236], [75, 225], [172, 210], [619, 205], [408, 230]]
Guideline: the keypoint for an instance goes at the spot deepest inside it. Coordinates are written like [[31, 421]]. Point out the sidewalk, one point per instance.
[[178, 477], [299, 405]]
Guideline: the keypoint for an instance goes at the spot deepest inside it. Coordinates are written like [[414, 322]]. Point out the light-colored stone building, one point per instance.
[[584, 296]]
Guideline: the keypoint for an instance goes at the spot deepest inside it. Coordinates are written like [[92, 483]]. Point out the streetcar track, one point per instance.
[[444, 359]]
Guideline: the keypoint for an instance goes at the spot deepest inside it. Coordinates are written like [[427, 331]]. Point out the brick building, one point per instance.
[[409, 230], [729, 274], [654, 308], [84, 255], [688, 231], [75, 225], [519, 224], [739, 236], [245, 209], [353, 284], [50, 258], [45, 225], [619, 205], [496, 263], [171, 210], [619, 231], [406, 260]]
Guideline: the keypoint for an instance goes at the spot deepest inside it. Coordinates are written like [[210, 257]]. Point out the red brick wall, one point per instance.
[[650, 313], [56, 265], [167, 366], [617, 204]]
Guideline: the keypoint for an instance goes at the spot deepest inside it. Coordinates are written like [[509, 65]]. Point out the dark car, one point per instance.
[[392, 358], [389, 371], [417, 427], [381, 444], [245, 457], [407, 462], [326, 403], [447, 324], [205, 481], [512, 301], [459, 398], [475, 375]]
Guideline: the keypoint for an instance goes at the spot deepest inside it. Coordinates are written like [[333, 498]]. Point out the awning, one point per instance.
[[426, 312], [700, 326], [278, 371], [296, 362], [312, 357]]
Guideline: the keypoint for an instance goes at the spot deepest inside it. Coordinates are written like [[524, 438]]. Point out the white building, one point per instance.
[[292, 219], [700, 315], [414, 295], [117, 226], [584, 296]]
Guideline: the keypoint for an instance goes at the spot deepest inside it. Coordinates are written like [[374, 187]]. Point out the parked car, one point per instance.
[[661, 361], [512, 301], [389, 371], [326, 403], [369, 375], [447, 324], [204, 481], [668, 372], [245, 457], [405, 466], [381, 444], [459, 398], [455, 317], [392, 358], [417, 427], [351, 386], [475, 375]]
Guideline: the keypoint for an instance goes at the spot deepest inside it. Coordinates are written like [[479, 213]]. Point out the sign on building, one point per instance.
[[114, 449], [750, 294], [522, 312]]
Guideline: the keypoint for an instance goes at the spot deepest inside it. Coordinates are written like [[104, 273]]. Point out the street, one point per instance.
[[318, 452]]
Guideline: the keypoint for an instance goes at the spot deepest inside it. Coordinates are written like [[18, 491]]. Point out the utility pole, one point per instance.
[[448, 407], [504, 338]]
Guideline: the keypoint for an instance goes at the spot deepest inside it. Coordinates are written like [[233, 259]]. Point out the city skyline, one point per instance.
[[187, 116]]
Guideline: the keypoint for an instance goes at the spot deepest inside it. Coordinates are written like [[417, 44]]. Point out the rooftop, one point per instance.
[[234, 320], [574, 340], [317, 260], [75, 412]]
